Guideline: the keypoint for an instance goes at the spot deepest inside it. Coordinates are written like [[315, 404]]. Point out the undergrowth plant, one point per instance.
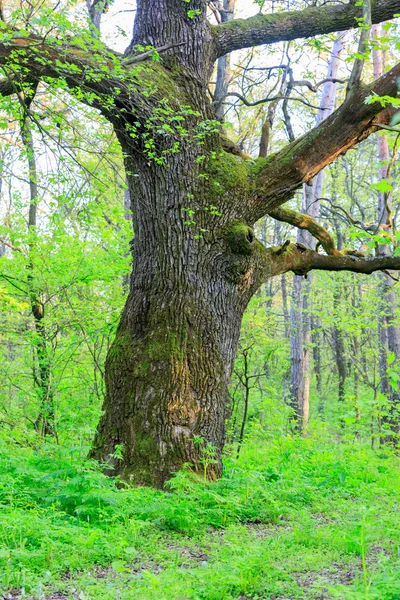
[[62, 522]]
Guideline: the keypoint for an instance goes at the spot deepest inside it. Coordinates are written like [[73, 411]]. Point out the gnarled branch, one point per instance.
[[302, 221], [301, 261]]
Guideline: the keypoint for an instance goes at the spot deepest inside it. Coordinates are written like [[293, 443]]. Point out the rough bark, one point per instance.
[[168, 370]]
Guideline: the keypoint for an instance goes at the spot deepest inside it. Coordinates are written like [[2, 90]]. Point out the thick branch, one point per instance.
[[7, 87], [91, 72], [285, 26], [306, 222], [17, 83], [284, 172], [301, 261]]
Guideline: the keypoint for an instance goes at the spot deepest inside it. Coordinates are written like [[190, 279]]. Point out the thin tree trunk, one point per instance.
[[45, 421], [298, 362], [223, 66], [246, 384], [2, 245], [300, 319], [388, 331], [285, 306], [356, 348], [265, 138], [96, 9], [316, 347], [338, 344]]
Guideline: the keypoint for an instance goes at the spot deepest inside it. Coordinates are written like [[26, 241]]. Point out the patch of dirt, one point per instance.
[[16, 595], [193, 557], [374, 553], [336, 574], [260, 530], [320, 519]]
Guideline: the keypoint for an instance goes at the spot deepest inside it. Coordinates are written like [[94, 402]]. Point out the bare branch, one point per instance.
[[314, 88], [263, 100], [14, 248], [301, 160]]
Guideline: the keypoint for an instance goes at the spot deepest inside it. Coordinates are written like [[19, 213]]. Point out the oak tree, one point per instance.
[[194, 201]]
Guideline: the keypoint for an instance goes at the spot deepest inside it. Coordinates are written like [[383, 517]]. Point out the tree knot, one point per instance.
[[241, 238]]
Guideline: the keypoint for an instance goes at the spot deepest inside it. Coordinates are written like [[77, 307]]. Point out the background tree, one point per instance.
[[300, 320]]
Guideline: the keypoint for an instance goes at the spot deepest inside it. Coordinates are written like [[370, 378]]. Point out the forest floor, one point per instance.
[[312, 518]]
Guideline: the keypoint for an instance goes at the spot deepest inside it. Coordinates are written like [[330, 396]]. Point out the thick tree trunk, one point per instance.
[[168, 370]]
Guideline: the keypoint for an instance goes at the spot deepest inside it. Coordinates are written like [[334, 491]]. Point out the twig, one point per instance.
[[3, 241], [149, 53]]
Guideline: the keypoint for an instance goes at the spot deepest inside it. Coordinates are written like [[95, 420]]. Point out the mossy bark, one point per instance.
[[168, 370]]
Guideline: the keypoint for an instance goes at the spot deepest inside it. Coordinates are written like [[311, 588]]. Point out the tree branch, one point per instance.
[[145, 55], [301, 261], [365, 26], [285, 26], [7, 86], [14, 248], [91, 72], [306, 222], [262, 101], [306, 156]]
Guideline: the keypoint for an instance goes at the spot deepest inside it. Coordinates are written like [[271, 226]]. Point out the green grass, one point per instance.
[[304, 518]]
